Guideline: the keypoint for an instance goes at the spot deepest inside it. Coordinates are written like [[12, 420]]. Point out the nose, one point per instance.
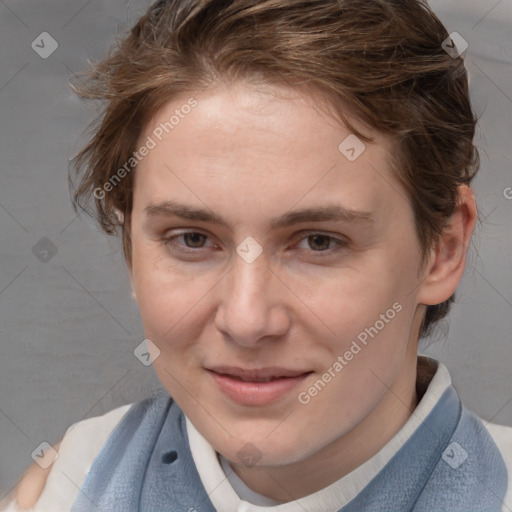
[[252, 305]]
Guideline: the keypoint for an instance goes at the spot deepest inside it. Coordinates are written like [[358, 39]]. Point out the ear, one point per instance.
[[447, 261]]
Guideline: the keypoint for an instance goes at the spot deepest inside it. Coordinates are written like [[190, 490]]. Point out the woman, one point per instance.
[[292, 184]]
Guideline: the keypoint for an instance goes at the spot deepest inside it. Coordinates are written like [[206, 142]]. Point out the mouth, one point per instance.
[[256, 386]]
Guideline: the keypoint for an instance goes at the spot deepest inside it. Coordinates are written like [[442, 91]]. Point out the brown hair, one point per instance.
[[382, 58]]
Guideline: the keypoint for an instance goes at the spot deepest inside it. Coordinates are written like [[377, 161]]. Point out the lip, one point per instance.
[[255, 388]]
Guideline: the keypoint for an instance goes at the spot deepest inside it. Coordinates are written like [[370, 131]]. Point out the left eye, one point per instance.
[[319, 242], [194, 240], [187, 240]]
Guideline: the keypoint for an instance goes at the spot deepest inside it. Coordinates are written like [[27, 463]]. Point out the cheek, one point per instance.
[[352, 299], [167, 298], [173, 316], [364, 315], [170, 310]]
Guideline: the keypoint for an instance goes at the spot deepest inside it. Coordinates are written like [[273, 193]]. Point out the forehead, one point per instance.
[[264, 147]]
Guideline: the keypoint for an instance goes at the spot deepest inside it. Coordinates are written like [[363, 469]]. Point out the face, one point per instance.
[[277, 277]]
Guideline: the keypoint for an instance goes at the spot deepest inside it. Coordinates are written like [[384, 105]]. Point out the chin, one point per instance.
[[262, 451]]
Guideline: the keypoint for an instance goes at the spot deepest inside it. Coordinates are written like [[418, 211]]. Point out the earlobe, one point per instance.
[[446, 266]]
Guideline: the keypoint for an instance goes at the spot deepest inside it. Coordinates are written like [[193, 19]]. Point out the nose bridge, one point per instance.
[[249, 284], [250, 307]]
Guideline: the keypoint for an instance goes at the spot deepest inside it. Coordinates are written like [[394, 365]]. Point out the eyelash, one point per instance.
[[169, 242], [339, 243]]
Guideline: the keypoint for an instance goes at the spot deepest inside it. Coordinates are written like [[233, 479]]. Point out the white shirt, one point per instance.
[[226, 490]]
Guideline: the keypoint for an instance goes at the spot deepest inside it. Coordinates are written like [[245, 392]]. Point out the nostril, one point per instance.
[[169, 457]]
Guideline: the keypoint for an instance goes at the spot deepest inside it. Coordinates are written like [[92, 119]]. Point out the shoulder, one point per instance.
[[78, 449], [502, 437], [98, 428]]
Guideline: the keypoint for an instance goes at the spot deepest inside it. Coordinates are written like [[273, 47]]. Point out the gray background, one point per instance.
[[68, 327]]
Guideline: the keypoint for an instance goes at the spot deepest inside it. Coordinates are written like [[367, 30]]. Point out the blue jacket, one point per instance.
[[450, 464]]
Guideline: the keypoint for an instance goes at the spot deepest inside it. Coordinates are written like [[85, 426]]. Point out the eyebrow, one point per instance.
[[330, 213]]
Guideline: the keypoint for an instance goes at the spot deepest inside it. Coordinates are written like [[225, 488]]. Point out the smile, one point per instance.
[[256, 387]]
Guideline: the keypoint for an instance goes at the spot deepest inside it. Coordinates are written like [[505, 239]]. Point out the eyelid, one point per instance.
[[169, 238], [340, 241], [335, 236], [171, 233]]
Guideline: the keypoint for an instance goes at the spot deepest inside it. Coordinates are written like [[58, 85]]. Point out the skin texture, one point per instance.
[[250, 155]]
